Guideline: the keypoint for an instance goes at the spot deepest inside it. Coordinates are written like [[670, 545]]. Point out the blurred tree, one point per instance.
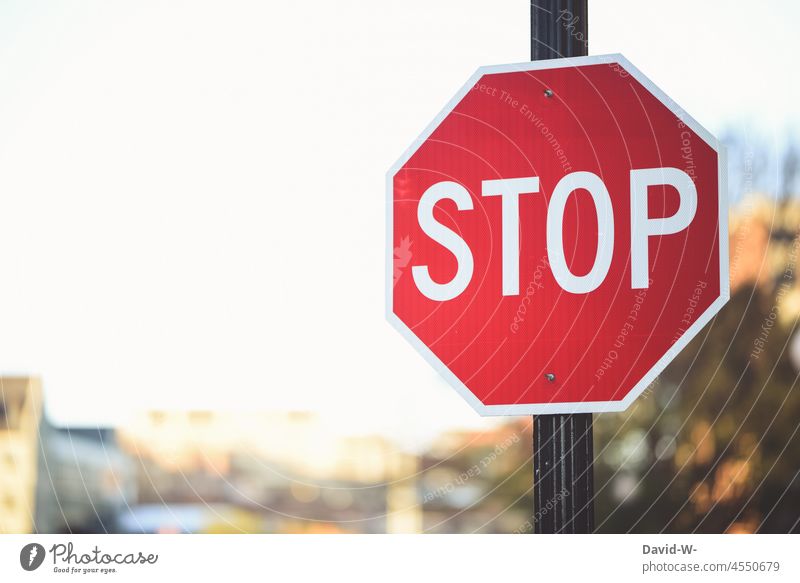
[[719, 432]]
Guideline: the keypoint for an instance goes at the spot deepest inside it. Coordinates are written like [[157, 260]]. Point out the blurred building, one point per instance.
[[288, 469], [20, 414], [85, 480], [56, 479], [479, 481]]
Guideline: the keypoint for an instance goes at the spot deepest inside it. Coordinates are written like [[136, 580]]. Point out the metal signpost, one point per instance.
[[563, 444], [555, 237]]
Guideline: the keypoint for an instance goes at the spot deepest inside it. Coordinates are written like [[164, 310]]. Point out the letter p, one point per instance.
[[643, 227]]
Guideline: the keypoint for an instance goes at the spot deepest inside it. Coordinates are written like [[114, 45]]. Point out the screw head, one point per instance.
[[548, 92], [550, 376]]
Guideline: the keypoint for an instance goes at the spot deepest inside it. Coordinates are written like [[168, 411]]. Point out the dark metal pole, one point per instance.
[[563, 476], [559, 29]]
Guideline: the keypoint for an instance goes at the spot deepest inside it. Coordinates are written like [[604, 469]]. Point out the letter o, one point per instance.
[[605, 232]]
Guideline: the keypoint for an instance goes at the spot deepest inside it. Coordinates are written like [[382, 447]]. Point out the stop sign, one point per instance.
[[556, 235]]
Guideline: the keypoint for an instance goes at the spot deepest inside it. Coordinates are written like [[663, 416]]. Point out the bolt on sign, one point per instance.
[[556, 236]]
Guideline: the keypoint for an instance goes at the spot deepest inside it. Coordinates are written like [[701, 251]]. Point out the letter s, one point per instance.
[[442, 292]]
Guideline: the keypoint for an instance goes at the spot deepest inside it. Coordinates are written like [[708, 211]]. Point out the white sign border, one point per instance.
[[688, 335]]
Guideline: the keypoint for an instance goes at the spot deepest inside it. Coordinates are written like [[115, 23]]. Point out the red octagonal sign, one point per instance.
[[556, 235]]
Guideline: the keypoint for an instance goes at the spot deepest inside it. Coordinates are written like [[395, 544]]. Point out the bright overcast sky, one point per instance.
[[192, 192]]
